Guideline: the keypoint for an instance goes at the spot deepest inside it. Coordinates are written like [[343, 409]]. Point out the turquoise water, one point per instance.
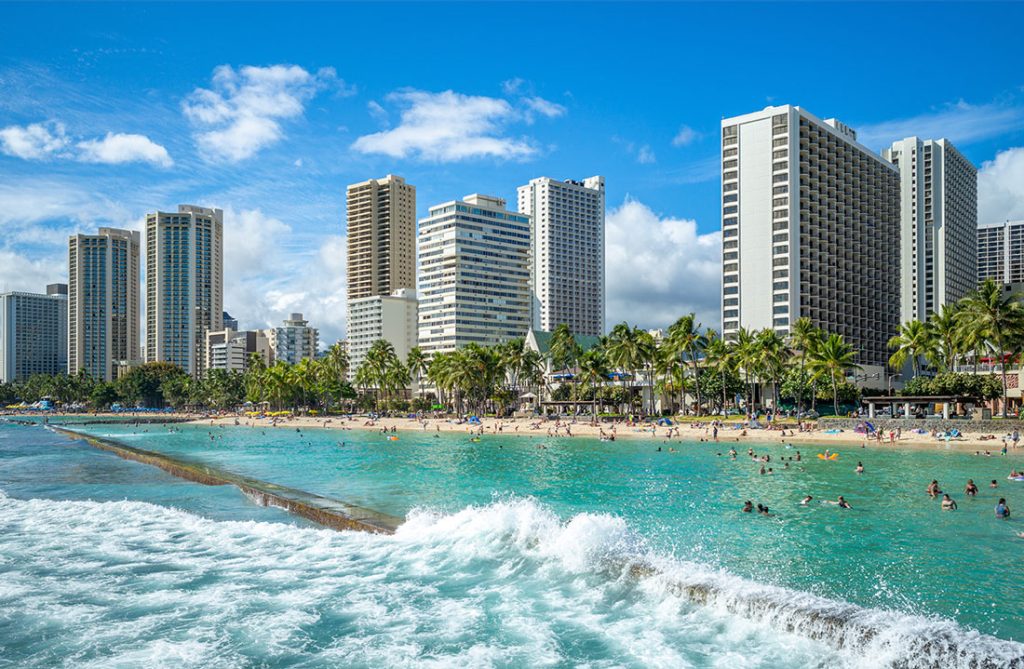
[[512, 555]]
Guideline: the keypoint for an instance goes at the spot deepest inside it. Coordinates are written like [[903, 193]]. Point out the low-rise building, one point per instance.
[[231, 350], [294, 340], [392, 318]]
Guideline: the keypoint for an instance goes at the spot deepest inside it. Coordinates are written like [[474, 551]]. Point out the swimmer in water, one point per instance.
[[933, 489], [842, 503], [970, 488], [748, 506], [860, 467], [806, 500], [947, 503]]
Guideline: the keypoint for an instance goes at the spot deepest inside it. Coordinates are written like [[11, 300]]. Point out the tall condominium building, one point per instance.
[[568, 252], [184, 284], [1001, 253], [33, 333], [381, 237], [474, 274], [103, 302], [231, 350], [939, 218], [810, 227], [392, 318], [294, 340]]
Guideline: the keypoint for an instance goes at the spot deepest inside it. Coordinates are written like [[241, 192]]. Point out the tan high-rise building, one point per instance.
[[103, 302], [184, 284], [381, 237]]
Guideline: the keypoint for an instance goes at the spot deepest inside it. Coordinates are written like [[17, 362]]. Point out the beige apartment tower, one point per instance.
[[184, 284], [103, 302], [381, 237]]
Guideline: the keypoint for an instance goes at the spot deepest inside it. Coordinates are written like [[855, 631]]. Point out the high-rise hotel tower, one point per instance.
[[810, 227], [103, 302], [939, 220], [184, 284], [381, 219], [568, 252], [474, 274]]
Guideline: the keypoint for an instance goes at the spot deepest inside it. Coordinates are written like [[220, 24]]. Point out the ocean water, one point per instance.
[[580, 553]]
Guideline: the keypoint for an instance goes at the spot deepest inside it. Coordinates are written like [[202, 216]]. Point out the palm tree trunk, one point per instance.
[[835, 394], [696, 382], [1002, 368]]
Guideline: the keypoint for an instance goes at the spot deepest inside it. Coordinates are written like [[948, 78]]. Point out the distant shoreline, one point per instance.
[[687, 431]]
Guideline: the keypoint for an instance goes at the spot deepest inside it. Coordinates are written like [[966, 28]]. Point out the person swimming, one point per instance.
[[947, 503], [1002, 509], [970, 488], [806, 500], [933, 489], [842, 503], [860, 467], [748, 506]]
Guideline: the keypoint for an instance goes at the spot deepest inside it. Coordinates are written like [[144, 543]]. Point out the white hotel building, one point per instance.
[[810, 227], [568, 252], [474, 262], [1001, 253], [184, 284], [939, 220], [392, 318]]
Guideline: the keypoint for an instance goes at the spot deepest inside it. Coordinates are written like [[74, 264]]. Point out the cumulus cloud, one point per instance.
[[242, 111], [1001, 187], [450, 126], [18, 271], [124, 148], [685, 136], [35, 141], [50, 140], [265, 281], [660, 267]]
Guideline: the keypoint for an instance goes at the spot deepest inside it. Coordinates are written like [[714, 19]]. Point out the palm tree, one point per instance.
[[565, 353], [999, 318], [834, 358], [945, 328], [417, 363], [685, 340], [593, 371], [624, 350], [747, 357], [913, 340], [772, 354], [718, 356], [804, 336]]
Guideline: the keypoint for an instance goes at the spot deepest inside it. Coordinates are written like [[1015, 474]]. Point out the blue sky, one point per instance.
[[268, 111]]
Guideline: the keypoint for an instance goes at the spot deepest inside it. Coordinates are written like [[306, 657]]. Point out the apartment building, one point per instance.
[[293, 340], [392, 318], [33, 333]]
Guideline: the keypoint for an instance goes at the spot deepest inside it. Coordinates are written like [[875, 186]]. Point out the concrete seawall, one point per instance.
[[324, 511], [997, 427]]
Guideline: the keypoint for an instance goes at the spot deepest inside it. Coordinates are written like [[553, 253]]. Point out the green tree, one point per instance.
[[999, 319], [833, 358], [913, 340]]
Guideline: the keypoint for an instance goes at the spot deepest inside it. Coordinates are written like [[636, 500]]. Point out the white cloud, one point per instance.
[[449, 126], [265, 281], [124, 148], [19, 272], [513, 85], [685, 136], [1001, 187], [242, 111], [660, 268], [645, 155], [544, 107], [960, 122], [378, 112], [33, 142]]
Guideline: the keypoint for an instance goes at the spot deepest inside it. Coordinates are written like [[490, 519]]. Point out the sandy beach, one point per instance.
[[682, 431]]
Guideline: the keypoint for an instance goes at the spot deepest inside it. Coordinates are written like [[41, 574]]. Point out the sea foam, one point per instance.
[[506, 584]]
